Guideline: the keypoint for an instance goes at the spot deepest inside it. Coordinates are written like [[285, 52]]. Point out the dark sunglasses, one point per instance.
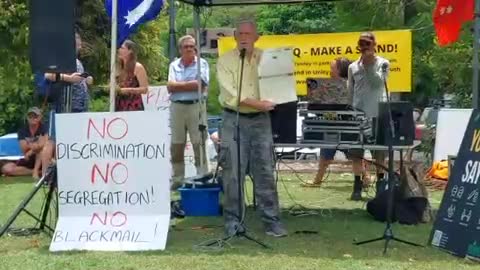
[[364, 43], [33, 116]]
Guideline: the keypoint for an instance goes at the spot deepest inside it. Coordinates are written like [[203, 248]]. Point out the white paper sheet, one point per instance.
[[276, 75]]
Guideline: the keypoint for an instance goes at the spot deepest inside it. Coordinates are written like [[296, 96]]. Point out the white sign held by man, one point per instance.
[[113, 181]]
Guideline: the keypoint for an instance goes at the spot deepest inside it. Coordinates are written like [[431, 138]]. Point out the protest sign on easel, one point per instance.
[[158, 98], [457, 225], [113, 181]]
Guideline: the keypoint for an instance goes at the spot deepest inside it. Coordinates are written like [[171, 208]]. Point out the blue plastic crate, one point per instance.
[[214, 123], [200, 201]]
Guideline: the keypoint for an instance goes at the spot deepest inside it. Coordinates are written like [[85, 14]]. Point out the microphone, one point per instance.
[[242, 52], [384, 67]]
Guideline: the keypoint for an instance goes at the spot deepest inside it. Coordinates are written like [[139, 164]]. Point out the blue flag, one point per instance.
[[131, 14]]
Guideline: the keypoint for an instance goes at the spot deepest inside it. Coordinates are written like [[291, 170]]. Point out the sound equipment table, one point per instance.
[[282, 149], [345, 146]]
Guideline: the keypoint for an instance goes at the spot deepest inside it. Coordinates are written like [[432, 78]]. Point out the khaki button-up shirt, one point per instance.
[[228, 75]]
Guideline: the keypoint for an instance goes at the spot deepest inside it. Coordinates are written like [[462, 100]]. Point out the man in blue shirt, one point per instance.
[[185, 109]]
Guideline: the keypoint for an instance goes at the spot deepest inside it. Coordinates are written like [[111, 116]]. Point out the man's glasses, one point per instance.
[[364, 43], [33, 116], [188, 46]]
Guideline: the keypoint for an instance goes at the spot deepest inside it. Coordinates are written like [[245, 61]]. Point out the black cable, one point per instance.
[[375, 163], [304, 211]]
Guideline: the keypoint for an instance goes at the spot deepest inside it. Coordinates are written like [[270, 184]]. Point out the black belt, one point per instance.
[[249, 115], [185, 101]]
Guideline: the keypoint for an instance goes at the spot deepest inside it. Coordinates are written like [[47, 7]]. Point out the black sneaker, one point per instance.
[[276, 230], [357, 190], [356, 196], [176, 210]]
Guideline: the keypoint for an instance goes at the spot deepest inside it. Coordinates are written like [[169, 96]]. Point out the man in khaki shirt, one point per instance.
[[256, 140]]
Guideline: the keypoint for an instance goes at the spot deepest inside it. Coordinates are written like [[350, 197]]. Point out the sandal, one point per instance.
[[315, 184], [366, 180]]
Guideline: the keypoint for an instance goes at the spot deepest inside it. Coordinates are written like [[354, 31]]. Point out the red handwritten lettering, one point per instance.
[[119, 178], [117, 219], [96, 170], [104, 221], [119, 135], [91, 124], [116, 129], [118, 173]]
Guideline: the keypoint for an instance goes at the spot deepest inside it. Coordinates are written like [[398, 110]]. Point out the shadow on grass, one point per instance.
[[330, 234]]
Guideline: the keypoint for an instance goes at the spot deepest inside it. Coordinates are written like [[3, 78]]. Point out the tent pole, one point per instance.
[[476, 46], [202, 128]]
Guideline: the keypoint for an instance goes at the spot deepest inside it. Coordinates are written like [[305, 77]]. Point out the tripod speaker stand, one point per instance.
[[388, 233], [49, 179]]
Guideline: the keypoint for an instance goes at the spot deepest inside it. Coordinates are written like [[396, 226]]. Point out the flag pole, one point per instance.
[[476, 65], [113, 55]]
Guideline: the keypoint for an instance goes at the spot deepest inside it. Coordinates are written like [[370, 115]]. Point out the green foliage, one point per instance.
[[94, 26], [15, 73], [213, 106], [369, 15], [296, 19], [436, 70], [452, 69]]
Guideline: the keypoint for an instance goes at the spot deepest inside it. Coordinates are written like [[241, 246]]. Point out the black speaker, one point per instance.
[[284, 123], [404, 126], [52, 36]]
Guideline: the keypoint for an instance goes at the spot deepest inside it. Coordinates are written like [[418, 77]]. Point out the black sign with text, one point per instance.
[[457, 225]]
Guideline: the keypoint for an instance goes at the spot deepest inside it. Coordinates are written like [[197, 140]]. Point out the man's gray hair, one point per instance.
[[246, 21], [184, 38]]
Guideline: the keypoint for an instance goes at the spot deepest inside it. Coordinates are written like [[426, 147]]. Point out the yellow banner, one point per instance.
[[314, 52]]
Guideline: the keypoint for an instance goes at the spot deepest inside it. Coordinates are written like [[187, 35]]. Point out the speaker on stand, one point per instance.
[[403, 123], [284, 123], [52, 36], [52, 49]]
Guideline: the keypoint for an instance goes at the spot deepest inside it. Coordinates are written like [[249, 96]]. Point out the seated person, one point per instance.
[[32, 138]]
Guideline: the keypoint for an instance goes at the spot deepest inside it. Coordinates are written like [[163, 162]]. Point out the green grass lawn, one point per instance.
[[337, 220]]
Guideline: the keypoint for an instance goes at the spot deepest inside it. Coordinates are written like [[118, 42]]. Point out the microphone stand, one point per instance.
[[388, 233], [241, 230]]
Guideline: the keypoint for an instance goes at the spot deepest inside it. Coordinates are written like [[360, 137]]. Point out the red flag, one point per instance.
[[448, 18]]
